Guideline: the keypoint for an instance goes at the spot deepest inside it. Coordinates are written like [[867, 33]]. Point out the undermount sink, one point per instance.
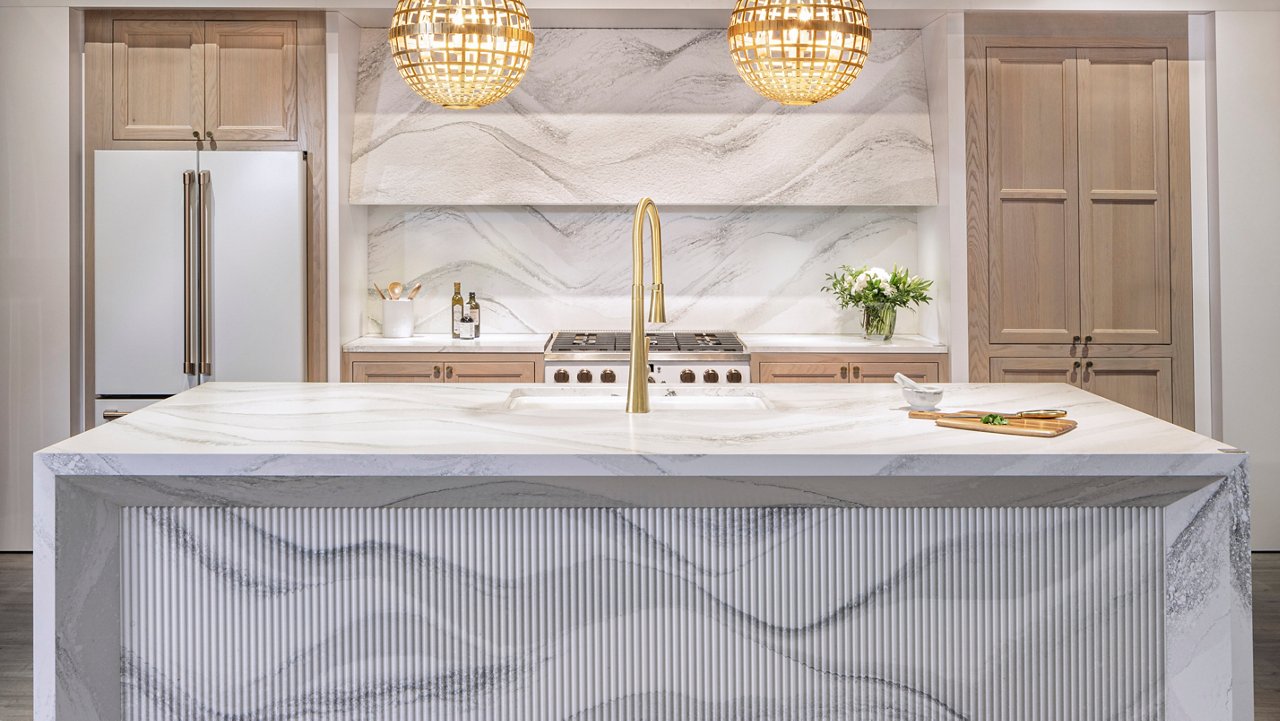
[[660, 398]]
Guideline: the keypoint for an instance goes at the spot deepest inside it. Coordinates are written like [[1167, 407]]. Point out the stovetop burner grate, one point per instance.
[[659, 342]]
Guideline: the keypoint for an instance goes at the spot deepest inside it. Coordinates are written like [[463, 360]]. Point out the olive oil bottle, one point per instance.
[[457, 310], [473, 310]]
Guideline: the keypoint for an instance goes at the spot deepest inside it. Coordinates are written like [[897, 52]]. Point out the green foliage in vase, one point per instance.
[[864, 286]]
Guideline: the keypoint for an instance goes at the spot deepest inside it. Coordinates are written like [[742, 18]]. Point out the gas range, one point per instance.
[[705, 358]]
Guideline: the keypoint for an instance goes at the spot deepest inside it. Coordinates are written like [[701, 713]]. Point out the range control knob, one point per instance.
[[711, 377], [608, 376], [687, 376], [733, 376], [562, 376], [584, 376]]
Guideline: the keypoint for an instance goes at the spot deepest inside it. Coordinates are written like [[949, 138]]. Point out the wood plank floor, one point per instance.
[[15, 636]]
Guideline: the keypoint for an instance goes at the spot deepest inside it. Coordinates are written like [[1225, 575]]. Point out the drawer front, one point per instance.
[[397, 372], [490, 372], [804, 373], [884, 372]]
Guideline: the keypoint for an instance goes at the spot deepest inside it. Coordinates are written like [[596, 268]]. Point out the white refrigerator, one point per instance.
[[199, 272]]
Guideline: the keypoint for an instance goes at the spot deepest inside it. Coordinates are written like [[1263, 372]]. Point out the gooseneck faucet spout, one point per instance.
[[638, 378]]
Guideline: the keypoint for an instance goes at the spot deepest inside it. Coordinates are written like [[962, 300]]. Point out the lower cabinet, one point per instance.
[[1145, 384], [442, 368], [828, 368]]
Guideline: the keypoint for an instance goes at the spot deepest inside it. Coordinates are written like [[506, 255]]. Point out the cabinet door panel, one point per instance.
[[804, 373], [251, 80], [1035, 370], [884, 372], [1144, 384], [1124, 189], [1034, 252], [157, 79], [397, 372], [489, 372]]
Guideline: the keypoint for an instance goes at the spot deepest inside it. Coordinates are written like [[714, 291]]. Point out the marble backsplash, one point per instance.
[[540, 269], [607, 116]]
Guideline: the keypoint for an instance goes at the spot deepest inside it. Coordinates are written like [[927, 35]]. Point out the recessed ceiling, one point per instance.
[[559, 16]]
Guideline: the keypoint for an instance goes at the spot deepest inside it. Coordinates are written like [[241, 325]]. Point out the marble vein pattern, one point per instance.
[[607, 116], [545, 268], [556, 614]]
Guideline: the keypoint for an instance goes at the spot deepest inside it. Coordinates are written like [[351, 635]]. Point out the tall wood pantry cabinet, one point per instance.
[[1079, 216]]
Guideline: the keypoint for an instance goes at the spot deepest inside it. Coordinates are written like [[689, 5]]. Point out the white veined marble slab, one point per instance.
[[446, 343], [607, 116], [836, 343]]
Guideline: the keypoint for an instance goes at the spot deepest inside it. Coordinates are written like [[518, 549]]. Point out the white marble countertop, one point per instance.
[[429, 430], [445, 343], [836, 343]]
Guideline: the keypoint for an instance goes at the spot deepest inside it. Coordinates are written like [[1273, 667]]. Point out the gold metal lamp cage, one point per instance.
[[799, 52], [461, 54]]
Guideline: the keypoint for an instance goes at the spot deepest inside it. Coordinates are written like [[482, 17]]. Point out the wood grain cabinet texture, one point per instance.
[[442, 367], [1079, 213], [225, 80], [841, 368]]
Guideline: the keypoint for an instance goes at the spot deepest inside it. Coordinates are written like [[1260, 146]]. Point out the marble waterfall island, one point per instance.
[[312, 551]]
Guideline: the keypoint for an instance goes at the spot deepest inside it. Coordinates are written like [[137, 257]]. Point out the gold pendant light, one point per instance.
[[799, 52], [461, 54]]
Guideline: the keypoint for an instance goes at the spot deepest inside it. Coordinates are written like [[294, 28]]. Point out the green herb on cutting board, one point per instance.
[[995, 419]]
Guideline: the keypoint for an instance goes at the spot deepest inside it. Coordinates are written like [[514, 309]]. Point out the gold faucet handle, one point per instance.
[[658, 305]]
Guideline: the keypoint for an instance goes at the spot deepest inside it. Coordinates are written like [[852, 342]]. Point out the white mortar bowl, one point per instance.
[[925, 399]]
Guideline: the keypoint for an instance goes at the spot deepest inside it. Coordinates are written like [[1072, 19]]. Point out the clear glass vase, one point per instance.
[[878, 321]]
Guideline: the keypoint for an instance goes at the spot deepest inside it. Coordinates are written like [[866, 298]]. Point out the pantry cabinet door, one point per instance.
[[251, 80], [1145, 384], [1033, 187], [157, 71], [1124, 194]]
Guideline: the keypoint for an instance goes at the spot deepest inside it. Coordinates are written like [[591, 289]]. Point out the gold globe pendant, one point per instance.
[[799, 52], [461, 54]]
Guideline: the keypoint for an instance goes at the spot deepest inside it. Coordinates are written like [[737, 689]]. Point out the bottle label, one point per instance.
[[457, 319]]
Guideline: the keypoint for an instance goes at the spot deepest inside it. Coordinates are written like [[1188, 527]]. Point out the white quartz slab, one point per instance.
[[836, 343], [445, 343], [468, 430]]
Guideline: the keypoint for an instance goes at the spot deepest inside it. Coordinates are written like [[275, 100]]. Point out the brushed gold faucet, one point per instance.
[[638, 378]]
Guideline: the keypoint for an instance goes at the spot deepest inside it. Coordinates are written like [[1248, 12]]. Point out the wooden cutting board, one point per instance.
[[1035, 427], [934, 415]]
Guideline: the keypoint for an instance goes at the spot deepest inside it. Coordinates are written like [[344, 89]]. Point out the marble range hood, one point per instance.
[[606, 116]]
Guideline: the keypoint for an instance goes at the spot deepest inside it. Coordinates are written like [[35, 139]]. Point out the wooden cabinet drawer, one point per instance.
[[804, 373], [1035, 370], [490, 372], [397, 372], [884, 372]]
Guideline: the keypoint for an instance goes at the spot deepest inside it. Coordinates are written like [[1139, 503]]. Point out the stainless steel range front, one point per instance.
[[707, 358]]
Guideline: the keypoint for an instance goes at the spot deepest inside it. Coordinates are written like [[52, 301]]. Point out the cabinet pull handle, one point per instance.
[[436, 373], [1088, 339], [448, 371], [112, 415], [857, 372], [1076, 365], [844, 373], [1088, 365]]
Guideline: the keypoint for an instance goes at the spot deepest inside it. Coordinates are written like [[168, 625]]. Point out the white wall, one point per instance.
[[348, 224], [40, 135], [1248, 228]]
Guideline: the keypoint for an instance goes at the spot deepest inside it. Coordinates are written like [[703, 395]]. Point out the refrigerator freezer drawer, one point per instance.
[[110, 409]]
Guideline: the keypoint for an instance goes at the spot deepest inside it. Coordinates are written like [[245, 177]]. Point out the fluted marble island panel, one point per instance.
[[309, 551]]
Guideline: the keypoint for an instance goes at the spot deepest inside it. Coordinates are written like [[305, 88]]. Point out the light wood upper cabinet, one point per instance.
[[1034, 253], [251, 80], [1142, 383], [158, 79], [179, 79], [1125, 271]]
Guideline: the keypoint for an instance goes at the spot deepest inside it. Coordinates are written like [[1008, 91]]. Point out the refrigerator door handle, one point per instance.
[[189, 322], [206, 279]]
